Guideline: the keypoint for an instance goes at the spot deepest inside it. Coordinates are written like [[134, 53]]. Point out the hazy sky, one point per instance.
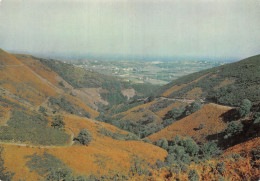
[[133, 28]]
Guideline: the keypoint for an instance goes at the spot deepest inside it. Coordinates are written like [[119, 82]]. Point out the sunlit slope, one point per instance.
[[227, 84], [21, 81], [210, 116], [31, 83], [104, 155]]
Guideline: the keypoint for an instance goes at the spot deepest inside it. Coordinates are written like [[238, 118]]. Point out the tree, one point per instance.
[[58, 122], [84, 137], [3, 174], [244, 108]]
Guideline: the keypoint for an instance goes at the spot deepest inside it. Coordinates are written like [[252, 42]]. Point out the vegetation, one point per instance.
[[33, 128], [51, 168], [232, 129], [84, 137], [118, 135], [58, 122], [193, 175], [244, 108], [42, 110], [4, 175], [241, 78]]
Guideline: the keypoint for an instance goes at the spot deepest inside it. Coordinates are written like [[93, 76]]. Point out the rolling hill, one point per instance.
[[227, 84], [61, 122]]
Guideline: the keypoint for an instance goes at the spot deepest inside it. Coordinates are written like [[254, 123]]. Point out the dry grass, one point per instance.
[[176, 87], [103, 156], [209, 115]]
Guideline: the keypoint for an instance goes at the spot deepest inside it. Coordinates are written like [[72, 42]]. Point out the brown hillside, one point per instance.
[[20, 80], [209, 115], [103, 156]]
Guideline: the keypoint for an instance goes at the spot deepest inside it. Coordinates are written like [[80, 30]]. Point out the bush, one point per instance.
[[193, 175], [163, 143], [201, 126], [244, 108], [84, 137], [194, 107], [58, 123], [232, 129], [209, 150]]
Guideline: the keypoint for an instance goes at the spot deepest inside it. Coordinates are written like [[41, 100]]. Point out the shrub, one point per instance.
[[232, 129], [84, 137], [163, 143], [193, 175], [58, 123], [201, 126], [190, 146], [210, 149], [244, 108], [194, 107]]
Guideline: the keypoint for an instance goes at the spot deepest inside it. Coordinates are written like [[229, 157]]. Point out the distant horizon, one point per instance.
[[129, 57]]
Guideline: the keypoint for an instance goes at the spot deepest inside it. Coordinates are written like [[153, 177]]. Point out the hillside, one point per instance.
[[227, 84], [86, 84], [210, 115], [61, 122], [40, 118]]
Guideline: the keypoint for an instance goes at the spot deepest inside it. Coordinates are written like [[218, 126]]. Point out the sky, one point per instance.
[[177, 29]]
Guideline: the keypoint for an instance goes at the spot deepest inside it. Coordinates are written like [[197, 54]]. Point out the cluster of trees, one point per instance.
[[182, 151], [181, 112], [185, 150]]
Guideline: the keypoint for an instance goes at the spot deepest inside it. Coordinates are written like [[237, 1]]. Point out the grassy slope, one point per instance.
[[227, 84], [103, 154], [82, 159], [209, 116], [22, 81]]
